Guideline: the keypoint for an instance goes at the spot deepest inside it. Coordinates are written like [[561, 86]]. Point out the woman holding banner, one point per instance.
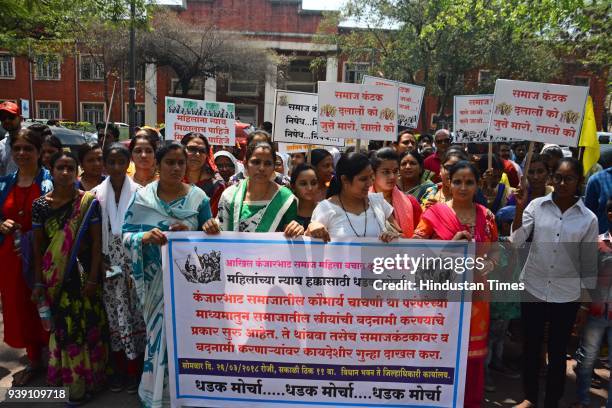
[[352, 210], [460, 218], [201, 168], [406, 209], [257, 204], [164, 205]]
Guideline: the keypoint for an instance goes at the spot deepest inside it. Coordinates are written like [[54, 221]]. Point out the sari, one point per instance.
[[77, 347], [261, 216], [440, 222], [420, 189], [146, 212], [405, 211]]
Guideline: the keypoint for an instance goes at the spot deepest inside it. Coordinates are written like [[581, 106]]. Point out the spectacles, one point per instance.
[[446, 140], [195, 150], [558, 178]]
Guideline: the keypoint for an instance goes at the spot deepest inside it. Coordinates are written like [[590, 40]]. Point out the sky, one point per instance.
[[322, 4]]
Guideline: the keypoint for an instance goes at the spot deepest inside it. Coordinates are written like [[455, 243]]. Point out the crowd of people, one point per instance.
[[80, 238]]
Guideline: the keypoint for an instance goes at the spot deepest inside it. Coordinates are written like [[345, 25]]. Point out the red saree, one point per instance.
[[440, 222]]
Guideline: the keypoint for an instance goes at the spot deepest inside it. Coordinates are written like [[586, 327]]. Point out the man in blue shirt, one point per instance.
[[598, 190]]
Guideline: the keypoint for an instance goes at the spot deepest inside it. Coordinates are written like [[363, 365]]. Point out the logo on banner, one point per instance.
[[203, 268]]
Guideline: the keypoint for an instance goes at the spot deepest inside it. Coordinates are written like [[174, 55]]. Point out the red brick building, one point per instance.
[[73, 89]]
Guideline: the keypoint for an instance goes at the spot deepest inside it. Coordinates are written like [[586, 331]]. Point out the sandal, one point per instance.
[[25, 376]]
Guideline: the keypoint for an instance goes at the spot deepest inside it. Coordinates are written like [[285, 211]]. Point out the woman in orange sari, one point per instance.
[[461, 218]]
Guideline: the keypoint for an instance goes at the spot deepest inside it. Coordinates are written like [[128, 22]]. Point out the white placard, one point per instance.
[[255, 319], [410, 99], [548, 113], [357, 111], [215, 120], [295, 119], [471, 114]]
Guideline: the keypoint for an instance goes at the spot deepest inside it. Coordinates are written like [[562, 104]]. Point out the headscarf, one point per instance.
[[285, 158], [225, 153]]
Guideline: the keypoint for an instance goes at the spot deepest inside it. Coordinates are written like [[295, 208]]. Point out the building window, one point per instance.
[[247, 113], [93, 112], [47, 67], [195, 88], [582, 80], [242, 87], [90, 69], [48, 110], [354, 72], [7, 66]]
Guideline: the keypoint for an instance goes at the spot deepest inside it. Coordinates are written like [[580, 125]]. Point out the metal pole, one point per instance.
[[132, 84]]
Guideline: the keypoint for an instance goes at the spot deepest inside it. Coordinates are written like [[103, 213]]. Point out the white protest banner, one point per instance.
[[410, 99], [471, 114], [357, 111], [548, 113], [291, 148], [295, 119], [254, 319], [215, 120]]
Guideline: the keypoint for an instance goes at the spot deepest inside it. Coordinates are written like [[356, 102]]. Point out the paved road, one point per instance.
[[507, 394]]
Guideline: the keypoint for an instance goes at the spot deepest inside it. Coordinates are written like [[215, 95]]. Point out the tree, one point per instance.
[[442, 44], [201, 52], [46, 26]]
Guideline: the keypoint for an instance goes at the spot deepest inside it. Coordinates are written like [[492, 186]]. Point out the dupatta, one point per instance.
[[267, 219], [402, 210], [446, 224]]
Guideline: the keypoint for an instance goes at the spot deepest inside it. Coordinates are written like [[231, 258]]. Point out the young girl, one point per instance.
[[126, 324], [304, 185]]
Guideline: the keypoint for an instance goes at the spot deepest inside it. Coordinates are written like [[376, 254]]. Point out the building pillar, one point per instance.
[[151, 95], [210, 89], [270, 90], [331, 71]]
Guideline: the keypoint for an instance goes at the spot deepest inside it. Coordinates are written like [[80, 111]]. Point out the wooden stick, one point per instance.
[[528, 159], [358, 145], [490, 157], [309, 155]]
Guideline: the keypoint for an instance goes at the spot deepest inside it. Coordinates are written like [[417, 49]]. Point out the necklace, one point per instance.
[[365, 213], [143, 182]]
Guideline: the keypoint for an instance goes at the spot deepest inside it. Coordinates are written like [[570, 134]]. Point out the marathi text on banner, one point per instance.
[[215, 120], [295, 119], [294, 326], [548, 113], [357, 111], [410, 100], [471, 114]]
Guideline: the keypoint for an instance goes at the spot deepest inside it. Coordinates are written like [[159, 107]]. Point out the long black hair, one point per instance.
[[380, 155], [349, 166]]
